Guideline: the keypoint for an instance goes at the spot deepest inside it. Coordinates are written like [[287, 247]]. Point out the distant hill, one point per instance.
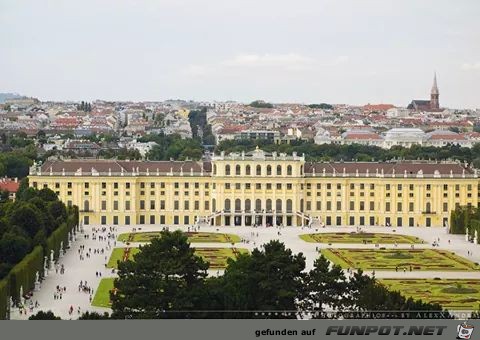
[[5, 96]]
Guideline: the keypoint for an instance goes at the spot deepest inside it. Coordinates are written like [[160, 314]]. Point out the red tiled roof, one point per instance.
[[410, 167], [447, 136], [9, 185], [363, 136]]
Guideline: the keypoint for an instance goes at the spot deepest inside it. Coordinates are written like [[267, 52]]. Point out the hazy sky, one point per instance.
[[335, 51]]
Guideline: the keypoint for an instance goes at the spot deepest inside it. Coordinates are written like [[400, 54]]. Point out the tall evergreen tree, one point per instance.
[[163, 281]]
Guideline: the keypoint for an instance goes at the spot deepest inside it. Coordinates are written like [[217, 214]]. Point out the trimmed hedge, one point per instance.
[[4, 289], [463, 218], [24, 273], [55, 239]]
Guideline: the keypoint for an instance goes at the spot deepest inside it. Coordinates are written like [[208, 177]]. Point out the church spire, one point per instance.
[[435, 87], [434, 95]]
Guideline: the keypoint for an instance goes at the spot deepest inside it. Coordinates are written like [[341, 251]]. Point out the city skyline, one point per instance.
[[309, 52]]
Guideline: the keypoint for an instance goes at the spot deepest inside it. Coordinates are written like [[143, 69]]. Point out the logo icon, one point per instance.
[[464, 331]]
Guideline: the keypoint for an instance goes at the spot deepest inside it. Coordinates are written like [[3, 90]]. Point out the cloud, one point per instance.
[[195, 70], [341, 60], [471, 66], [241, 64], [286, 61]]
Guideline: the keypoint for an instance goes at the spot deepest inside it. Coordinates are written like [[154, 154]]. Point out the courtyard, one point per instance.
[[399, 259], [89, 268]]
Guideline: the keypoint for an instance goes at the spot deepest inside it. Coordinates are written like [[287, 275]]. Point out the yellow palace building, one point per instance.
[[259, 188]]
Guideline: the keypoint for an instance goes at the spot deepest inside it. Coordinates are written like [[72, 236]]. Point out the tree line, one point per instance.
[[26, 223], [356, 152], [173, 147], [465, 218], [200, 127]]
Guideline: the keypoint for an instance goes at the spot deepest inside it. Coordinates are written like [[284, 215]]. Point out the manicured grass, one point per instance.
[[388, 259], [118, 255], [102, 293], [450, 293], [193, 237], [216, 256], [371, 238]]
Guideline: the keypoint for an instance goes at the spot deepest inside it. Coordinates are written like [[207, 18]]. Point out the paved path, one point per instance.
[[85, 270]]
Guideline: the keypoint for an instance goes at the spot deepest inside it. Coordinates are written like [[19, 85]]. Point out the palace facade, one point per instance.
[[260, 188]]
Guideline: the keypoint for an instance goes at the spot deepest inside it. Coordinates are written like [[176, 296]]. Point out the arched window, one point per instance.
[[301, 170], [269, 205], [227, 170], [289, 170], [429, 207], [301, 205], [278, 205], [258, 205], [214, 205], [248, 205], [227, 204], [269, 170], [279, 170], [259, 170], [238, 205], [237, 170], [247, 170], [86, 205], [289, 206], [214, 169]]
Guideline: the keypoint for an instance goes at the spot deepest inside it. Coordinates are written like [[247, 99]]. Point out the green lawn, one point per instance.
[[371, 238], [388, 259], [102, 294], [193, 237], [118, 254], [216, 256], [451, 294]]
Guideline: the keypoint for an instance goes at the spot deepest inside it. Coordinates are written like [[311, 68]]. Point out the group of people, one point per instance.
[[71, 309], [59, 268], [59, 291], [404, 269], [85, 288]]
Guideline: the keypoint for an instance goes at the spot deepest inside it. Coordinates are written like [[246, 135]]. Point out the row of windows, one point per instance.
[[196, 185], [186, 185], [259, 170], [142, 220], [352, 186], [362, 220], [152, 205], [268, 206]]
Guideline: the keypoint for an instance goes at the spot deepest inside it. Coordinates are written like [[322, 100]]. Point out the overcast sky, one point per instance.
[[335, 51]]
